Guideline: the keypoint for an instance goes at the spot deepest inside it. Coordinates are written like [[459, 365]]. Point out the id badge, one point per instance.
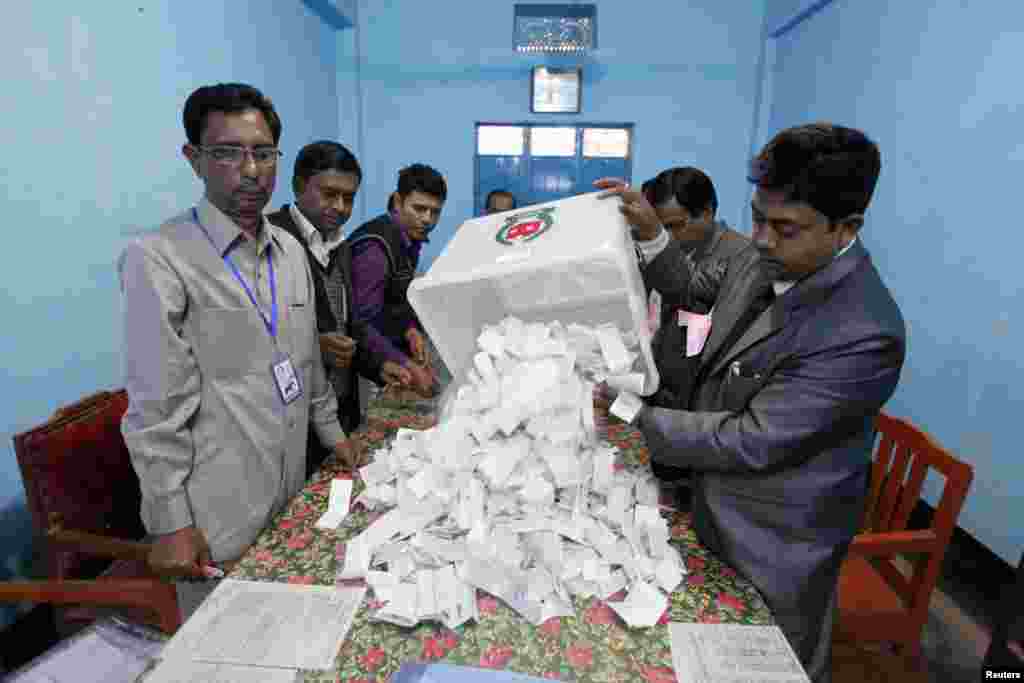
[[289, 386]]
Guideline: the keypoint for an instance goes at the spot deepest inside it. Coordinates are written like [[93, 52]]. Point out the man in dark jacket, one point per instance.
[[687, 205], [385, 256], [325, 181], [806, 346]]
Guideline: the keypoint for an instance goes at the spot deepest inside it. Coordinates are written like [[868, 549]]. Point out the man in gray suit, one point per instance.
[[687, 206], [806, 345]]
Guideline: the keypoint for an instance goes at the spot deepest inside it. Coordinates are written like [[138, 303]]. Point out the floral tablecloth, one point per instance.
[[595, 645]]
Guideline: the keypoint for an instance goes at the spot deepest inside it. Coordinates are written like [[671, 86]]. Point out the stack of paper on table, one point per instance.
[[249, 630], [514, 493], [106, 651], [733, 653]]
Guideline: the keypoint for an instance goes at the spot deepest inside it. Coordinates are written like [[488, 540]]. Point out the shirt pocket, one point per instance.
[[738, 390], [231, 342]]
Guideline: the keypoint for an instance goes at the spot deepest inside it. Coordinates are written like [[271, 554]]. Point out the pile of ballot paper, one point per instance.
[[514, 493]]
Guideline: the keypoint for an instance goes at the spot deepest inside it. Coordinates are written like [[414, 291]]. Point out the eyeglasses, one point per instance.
[[234, 155]]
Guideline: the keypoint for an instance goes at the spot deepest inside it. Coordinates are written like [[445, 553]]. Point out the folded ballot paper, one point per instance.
[[514, 493]]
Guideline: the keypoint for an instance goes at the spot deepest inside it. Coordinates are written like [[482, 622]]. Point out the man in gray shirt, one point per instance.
[[222, 362]]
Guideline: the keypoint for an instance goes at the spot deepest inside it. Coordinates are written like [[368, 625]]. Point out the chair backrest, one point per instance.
[[904, 457], [76, 465]]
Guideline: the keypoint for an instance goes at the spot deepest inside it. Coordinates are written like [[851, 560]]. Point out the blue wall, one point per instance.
[[91, 143], [934, 84], [684, 72]]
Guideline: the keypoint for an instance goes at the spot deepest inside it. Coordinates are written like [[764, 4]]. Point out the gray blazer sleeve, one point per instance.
[[674, 274], [806, 403], [162, 379]]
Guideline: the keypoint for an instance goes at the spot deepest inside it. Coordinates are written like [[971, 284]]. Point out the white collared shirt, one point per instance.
[[314, 238], [783, 286]]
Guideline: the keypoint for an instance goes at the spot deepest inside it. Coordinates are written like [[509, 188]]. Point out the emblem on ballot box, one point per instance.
[[524, 227]]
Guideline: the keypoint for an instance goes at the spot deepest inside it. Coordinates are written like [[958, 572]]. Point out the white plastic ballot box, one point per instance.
[[570, 260]]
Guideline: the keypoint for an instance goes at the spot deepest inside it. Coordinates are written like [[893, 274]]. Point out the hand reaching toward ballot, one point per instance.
[[350, 453], [417, 346], [180, 554], [639, 213], [337, 349], [422, 378], [393, 373]]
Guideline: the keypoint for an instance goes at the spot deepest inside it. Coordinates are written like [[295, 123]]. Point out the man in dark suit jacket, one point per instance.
[[806, 346], [325, 181], [687, 207]]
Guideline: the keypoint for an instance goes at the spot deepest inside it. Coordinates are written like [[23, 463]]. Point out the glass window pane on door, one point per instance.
[[606, 142], [499, 140], [552, 141]]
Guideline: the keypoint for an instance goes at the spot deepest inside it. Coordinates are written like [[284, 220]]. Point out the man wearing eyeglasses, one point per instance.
[[222, 362]]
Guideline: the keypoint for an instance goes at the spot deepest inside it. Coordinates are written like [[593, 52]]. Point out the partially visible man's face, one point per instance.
[[326, 199], [683, 225], [499, 203], [419, 212], [239, 190], [794, 237]]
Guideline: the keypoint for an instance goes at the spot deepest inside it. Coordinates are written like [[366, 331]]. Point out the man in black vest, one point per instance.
[[325, 181], [385, 254]]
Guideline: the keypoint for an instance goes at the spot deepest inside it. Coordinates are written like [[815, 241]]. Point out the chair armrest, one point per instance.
[[104, 546], [894, 542], [150, 594]]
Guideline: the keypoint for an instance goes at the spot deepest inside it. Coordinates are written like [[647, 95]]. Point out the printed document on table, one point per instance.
[[733, 653], [268, 624]]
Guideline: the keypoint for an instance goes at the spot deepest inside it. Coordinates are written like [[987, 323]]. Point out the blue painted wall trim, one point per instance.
[[800, 17], [326, 10]]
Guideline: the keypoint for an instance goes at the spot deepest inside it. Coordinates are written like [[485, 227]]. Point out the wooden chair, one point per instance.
[[76, 470], [878, 603]]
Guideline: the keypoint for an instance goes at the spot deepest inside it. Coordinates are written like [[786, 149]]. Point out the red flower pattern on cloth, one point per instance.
[[658, 674], [552, 627], [580, 656], [299, 542], [433, 648], [304, 580], [730, 601], [373, 658], [695, 564], [496, 657], [487, 604], [601, 614]]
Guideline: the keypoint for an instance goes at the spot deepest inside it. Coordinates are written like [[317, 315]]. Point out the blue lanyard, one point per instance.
[[270, 323]]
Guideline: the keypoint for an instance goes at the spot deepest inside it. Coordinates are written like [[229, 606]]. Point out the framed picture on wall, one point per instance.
[[556, 91]]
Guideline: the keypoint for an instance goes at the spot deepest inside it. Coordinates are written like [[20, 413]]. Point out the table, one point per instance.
[[593, 646]]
